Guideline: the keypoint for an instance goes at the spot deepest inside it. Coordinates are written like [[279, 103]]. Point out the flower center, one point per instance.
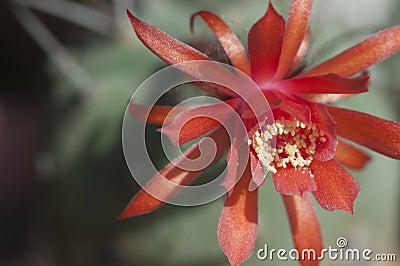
[[296, 144]]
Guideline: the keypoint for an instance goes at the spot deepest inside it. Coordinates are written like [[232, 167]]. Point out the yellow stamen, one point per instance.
[[296, 144]]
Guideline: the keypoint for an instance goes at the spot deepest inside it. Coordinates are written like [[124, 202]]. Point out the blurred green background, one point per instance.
[[68, 71]]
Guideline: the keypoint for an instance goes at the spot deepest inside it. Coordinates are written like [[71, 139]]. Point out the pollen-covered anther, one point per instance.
[[296, 143]]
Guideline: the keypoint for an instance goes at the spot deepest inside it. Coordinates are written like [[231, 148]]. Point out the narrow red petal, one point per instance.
[[329, 83], [213, 89], [256, 170], [183, 131], [155, 114], [363, 55], [198, 121], [291, 181], [171, 50], [305, 227], [336, 188], [232, 160], [165, 184], [265, 45], [163, 45], [372, 132], [236, 159], [230, 42], [296, 28], [325, 98], [238, 225], [301, 53], [350, 156]]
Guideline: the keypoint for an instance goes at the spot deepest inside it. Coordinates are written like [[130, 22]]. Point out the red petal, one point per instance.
[[236, 159], [228, 39], [363, 55], [297, 109], [251, 121], [295, 32], [273, 98], [232, 160], [171, 50], [198, 121], [163, 45], [265, 45], [256, 170], [375, 133], [291, 181], [329, 83], [336, 188], [155, 114], [213, 89], [325, 98], [350, 156], [164, 185], [301, 53], [305, 227], [237, 228], [320, 116]]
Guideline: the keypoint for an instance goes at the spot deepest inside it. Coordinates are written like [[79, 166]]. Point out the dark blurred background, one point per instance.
[[68, 69]]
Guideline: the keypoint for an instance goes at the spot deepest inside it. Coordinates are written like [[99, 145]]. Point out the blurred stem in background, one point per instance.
[[71, 68]]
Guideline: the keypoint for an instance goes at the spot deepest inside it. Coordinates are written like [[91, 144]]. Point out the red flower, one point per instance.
[[307, 156]]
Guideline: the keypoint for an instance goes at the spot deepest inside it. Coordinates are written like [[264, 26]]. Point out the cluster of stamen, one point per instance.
[[296, 144]]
